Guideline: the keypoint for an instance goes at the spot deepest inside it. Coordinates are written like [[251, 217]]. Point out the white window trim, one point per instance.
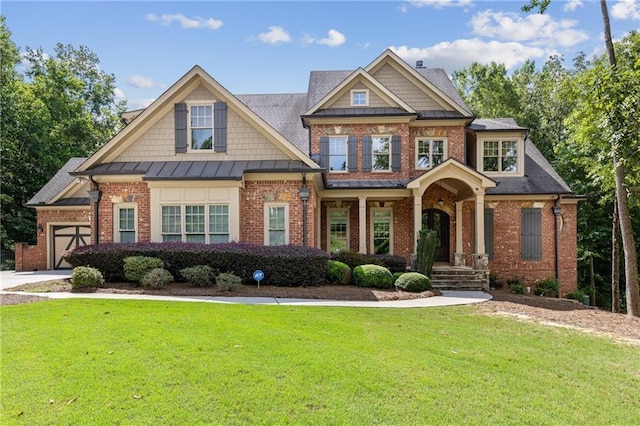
[[183, 219], [116, 219], [500, 138], [373, 154], [338, 209], [266, 221], [366, 97], [372, 212], [200, 103], [346, 155], [445, 151]]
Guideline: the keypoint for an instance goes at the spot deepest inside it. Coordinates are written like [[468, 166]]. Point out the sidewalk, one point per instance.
[[448, 298]]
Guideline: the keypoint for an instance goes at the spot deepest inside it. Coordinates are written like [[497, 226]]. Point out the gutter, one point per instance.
[[557, 211], [94, 197]]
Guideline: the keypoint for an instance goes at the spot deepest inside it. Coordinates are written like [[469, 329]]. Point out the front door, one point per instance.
[[438, 221]]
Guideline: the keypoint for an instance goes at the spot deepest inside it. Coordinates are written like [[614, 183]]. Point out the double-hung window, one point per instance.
[[381, 231], [125, 224], [430, 152], [337, 154], [276, 225], [195, 223], [201, 126], [171, 223], [500, 156], [219, 223], [381, 151], [338, 230]]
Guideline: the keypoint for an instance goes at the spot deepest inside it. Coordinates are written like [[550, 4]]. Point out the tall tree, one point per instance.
[[60, 106]]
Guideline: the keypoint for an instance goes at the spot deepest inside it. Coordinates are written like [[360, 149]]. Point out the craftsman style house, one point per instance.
[[362, 162]]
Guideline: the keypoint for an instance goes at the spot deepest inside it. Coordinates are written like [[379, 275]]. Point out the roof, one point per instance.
[[495, 124], [439, 78], [361, 112], [57, 183], [367, 184], [196, 170]]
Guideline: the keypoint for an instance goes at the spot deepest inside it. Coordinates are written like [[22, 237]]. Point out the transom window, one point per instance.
[[126, 225], [381, 231], [381, 151], [359, 97], [201, 124], [431, 152], [500, 156], [337, 154], [190, 223], [338, 230]]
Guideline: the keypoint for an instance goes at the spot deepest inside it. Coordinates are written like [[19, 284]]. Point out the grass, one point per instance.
[[147, 363]]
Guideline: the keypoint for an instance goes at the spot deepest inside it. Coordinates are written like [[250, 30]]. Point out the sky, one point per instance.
[[253, 47]]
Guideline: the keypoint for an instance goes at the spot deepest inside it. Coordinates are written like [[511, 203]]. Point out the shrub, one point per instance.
[[157, 278], [578, 295], [137, 267], [228, 282], [516, 286], [427, 244], [494, 282], [372, 276], [391, 262], [338, 273], [548, 287], [351, 258], [397, 275], [413, 282], [86, 277], [199, 275]]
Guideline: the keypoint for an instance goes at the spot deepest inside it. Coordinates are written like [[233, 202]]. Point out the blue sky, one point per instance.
[[271, 46]]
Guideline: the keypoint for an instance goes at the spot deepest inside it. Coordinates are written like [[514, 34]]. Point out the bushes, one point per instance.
[[353, 259], [156, 278], [548, 287], [228, 282], [372, 276], [86, 277], [515, 285], [413, 282], [338, 273], [136, 267], [199, 275]]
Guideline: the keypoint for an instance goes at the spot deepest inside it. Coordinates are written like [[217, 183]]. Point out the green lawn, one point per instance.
[[144, 362]]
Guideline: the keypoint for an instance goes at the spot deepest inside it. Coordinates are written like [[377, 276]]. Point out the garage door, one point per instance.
[[67, 237]]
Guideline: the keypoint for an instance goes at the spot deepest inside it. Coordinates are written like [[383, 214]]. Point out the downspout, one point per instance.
[[304, 192], [556, 213], [94, 196]]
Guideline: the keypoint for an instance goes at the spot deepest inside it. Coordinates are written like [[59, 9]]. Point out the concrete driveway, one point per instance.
[[13, 278]]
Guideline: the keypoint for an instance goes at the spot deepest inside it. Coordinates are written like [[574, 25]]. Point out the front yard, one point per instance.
[[142, 362]]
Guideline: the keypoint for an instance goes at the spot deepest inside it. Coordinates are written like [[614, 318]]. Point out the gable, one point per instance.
[[418, 97]]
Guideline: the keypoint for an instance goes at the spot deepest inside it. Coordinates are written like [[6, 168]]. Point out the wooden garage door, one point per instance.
[[67, 237]]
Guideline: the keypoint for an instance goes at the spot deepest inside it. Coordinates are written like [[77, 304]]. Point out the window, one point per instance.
[[381, 151], [199, 227], [531, 233], [219, 224], [338, 230], [337, 154], [381, 231], [431, 152], [125, 225], [500, 156], [201, 126], [359, 98], [276, 221]]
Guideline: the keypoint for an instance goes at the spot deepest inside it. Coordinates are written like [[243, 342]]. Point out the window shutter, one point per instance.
[[531, 234], [396, 158], [324, 152], [488, 232], [180, 112], [366, 153], [352, 153], [220, 127]]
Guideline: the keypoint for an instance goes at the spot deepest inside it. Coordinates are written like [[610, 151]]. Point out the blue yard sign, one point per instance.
[[258, 275]]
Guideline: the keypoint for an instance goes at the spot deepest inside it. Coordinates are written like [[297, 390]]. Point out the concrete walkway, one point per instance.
[[9, 279]]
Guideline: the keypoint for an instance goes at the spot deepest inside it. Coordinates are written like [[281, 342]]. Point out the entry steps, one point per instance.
[[459, 278]]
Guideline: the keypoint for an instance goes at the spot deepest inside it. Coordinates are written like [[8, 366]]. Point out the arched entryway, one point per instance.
[[439, 221]]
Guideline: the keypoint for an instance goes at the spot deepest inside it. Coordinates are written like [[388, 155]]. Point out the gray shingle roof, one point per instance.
[[439, 78], [495, 124], [57, 183], [321, 83]]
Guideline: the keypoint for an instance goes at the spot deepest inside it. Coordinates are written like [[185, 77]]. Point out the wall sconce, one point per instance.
[[40, 229], [440, 202]]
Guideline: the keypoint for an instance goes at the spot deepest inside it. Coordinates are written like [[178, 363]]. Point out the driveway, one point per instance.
[[13, 278]]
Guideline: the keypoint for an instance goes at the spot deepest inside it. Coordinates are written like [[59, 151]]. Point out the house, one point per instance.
[[362, 162]]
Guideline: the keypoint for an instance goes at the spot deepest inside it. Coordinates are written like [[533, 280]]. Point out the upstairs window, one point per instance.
[[430, 152], [381, 151], [500, 156], [359, 98], [201, 126], [338, 154]]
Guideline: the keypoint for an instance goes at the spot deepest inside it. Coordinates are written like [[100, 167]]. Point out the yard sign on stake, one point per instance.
[[258, 275]]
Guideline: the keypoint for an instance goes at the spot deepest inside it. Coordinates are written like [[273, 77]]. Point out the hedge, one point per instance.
[[287, 265], [353, 259]]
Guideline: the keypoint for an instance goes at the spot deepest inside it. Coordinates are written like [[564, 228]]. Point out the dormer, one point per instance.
[[496, 147]]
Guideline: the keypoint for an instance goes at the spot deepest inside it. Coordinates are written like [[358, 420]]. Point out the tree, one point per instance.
[[60, 107]]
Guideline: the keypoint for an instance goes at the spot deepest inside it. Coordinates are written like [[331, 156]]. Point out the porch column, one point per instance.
[[417, 218], [362, 222], [458, 257], [480, 258]]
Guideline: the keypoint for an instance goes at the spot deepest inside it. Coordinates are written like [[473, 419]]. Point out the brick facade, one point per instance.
[[134, 193]]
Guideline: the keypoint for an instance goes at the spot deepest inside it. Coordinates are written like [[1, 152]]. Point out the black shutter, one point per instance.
[[531, 234], [352, 153], [396, 158], [488, 232], [324, 152], [367, 155], [220, 127], [180, 112]]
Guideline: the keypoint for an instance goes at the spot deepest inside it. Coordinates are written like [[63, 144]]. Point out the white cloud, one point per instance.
[[188, 23], [536, 28], [626, 9], [133, 104], [119, 94], [143, 82], [334, 39], [275, 35], [438, 4], [572, 5], [460, 54]]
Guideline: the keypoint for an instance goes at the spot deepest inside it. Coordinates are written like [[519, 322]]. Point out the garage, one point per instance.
[[66, 237]]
